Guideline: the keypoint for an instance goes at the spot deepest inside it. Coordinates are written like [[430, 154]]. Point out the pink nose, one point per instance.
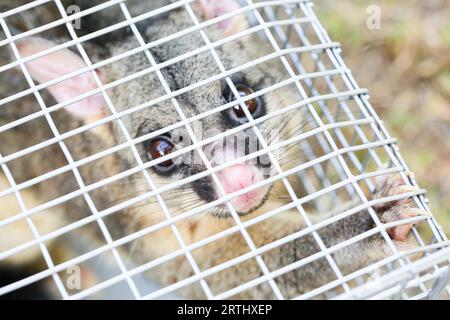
[[238, 177]]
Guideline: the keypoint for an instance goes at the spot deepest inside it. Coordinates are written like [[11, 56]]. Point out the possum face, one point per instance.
[[161, 119], [187, 73]]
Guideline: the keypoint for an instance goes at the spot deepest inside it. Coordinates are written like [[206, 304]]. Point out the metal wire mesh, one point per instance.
[[344, 147]]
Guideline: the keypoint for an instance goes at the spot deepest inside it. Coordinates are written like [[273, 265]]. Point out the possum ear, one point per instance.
[[215, 8], [58, 64]]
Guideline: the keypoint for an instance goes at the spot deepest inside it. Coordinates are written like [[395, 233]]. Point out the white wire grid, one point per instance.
[[284, 25]]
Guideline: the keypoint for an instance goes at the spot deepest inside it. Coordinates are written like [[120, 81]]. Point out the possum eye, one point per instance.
[[254, 106], [157, 148]]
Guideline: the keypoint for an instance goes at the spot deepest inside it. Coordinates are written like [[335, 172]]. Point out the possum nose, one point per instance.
[[238, 177]]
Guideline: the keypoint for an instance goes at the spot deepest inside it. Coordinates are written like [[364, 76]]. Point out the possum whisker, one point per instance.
[[178, 192], [289, 132], [290, 116], [131, 251], [193, 218], [303, 150], [186, 203], [169, 204], [284, 127]]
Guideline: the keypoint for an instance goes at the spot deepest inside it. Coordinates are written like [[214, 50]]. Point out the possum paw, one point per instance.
[[398, 209]]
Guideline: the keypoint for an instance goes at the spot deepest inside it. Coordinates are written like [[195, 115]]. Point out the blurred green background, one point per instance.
[[405, 64]]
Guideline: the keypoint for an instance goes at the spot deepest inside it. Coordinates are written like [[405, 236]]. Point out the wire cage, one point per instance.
[[330, 154]]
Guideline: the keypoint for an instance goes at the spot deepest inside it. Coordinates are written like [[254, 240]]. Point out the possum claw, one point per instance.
[[406, 189], [397, 210], [403, 247], [410, 174], [414, 212], [400, 233]]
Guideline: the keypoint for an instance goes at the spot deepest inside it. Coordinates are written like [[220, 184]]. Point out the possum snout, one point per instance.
[[237, 177]]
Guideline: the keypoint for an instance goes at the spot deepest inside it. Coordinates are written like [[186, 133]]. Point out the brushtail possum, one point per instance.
[[160, 118]]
